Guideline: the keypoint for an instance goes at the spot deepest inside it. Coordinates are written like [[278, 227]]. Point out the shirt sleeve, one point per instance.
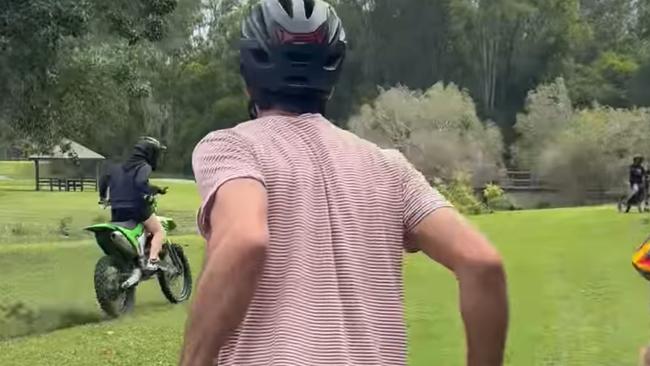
[[419, 198], [220, 157]]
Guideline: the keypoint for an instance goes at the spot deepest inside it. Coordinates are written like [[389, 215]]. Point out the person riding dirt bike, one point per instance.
[[130, 192]]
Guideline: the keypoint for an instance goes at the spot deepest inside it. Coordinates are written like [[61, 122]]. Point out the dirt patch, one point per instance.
[[18, 319]]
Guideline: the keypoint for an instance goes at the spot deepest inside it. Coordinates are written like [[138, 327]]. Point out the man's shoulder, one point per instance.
[[241, 131], [233, 135]]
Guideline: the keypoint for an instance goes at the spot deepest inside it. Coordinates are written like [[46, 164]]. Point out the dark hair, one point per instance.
[[299, 104]]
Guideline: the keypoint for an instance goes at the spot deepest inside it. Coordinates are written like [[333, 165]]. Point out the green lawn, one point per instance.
[[17, 169], [575, 298], [28, 216]]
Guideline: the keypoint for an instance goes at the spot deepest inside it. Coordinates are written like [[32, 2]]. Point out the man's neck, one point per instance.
[[275, 112]]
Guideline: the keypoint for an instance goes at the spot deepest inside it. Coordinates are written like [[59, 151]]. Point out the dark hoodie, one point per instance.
[[129, 182], [637, 173]]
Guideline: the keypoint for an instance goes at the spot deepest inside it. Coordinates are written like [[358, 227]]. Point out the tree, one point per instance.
[[33, 34], [509, 46], [548, 111]]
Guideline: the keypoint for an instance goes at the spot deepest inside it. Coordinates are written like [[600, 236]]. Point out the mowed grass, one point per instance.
[[575, 300], [30, 216]]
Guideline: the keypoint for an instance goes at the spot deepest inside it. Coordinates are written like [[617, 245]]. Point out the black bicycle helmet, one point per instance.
[[150, 149], [293, 48]]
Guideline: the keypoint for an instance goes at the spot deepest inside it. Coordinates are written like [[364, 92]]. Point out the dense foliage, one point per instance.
[[104, 72], [437, 130], [579, 149]]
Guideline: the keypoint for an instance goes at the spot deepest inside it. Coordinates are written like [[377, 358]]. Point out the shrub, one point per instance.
[[493, 195], [504, 203], [579, 151], [492, 192], [595, 150], [437, 130], [460, 193]]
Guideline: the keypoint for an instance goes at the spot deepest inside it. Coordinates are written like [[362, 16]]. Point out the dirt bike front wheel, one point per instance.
[[176, 283]]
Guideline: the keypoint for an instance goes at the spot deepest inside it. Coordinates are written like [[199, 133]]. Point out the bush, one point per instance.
[[579, 151], [494, 196], [437, 130], [460, 193], [504, 203], [593, 152], [492, 192]]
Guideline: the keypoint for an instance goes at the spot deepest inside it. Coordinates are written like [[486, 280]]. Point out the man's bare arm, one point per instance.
[[448, 239], [234, 261]]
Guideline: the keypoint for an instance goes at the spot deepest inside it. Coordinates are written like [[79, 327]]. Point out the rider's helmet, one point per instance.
[[638, 159], [291, 54], [150, 149]]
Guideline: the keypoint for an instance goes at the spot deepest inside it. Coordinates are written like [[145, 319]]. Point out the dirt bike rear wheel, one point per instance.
[[112, 299]]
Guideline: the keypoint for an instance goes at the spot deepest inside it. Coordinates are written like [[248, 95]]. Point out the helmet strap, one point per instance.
[[252, 109]]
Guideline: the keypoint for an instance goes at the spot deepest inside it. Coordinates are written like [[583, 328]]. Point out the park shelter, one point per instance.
[[80, 170]]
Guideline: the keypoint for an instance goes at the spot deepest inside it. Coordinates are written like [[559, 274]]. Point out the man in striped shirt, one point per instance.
[[306, 224]]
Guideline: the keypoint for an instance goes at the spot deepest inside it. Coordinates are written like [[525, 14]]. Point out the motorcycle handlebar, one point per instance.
[[149, 198]]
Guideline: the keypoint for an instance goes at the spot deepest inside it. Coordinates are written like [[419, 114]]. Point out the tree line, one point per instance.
[[103, 73]]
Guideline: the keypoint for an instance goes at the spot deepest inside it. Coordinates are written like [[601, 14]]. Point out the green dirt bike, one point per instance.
[[117, 274]]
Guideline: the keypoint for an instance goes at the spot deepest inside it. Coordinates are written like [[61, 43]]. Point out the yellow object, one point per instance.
[[641, 259]]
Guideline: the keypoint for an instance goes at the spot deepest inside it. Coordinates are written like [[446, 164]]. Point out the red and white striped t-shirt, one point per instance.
[[339, 207]]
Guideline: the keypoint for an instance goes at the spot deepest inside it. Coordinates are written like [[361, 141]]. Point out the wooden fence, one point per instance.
[[523, 180]]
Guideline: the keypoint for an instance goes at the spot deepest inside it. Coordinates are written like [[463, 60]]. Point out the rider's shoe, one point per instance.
[[152, 265]]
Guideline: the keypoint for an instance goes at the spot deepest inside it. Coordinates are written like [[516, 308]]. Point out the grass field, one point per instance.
[[28, 216], [575, 299]]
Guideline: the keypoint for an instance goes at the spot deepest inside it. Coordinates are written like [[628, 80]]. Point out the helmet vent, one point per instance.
[[309, 8], [296, 80], [299, 57], [261, 56], [287, 6]]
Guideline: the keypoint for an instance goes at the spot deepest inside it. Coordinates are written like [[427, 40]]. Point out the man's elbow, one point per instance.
[[251, 244], [486, 266], [255, 245]]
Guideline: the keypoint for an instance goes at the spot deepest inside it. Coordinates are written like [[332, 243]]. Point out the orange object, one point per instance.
[[641, 259]]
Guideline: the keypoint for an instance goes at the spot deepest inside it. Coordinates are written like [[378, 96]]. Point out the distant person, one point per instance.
[[306, 224], [128, 186], [637, 180], [646, 189]]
